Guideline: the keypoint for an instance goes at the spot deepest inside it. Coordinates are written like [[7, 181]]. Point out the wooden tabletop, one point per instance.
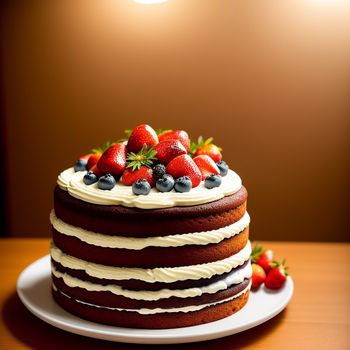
[[317, 317]]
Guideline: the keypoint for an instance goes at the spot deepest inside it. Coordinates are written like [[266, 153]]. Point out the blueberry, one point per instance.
[[212, 181], [141, 186], [223, 167], [158, 171], [165, 183], [90, 178], [183, 184], [106, 182], [80, 165]]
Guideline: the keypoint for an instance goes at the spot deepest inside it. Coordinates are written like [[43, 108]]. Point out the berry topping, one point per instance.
[[183, 184], [264, 258], [223, 167], [144, 157], [179, 135], [80, 164], [258, 276], [206, 165], [106, 182], [165, 183], [93, 159], [90, 178], [142, 135], [96, 171], [212, 181], [158, 171], [277, 276], [185, 166], [141, 187], [168, 150], [113, 160], [206, 147], [130, 176]]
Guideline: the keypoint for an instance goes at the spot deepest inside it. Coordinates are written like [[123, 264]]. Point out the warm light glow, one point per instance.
[[149, 2]]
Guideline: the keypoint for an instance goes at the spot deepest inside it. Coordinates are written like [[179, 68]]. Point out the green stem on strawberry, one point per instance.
[[145, 157], [162, 131], [100, 150], [127, 133], [256, 252]]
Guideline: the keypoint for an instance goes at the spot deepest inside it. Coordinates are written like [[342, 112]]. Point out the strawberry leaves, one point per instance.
[[145, 157]]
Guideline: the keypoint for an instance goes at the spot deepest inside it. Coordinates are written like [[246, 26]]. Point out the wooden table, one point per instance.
[[318, 316]]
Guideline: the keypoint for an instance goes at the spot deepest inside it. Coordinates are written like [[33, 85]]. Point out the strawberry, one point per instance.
[[96, 171], [85, 156], [129, 176], [168, 150], [141, 135], [206, 165], [211, 150], [184, 165], [179, 135], [113, 160], [262, 257], [258, 276], [265, 260], [207, 147], [93, 159], [277, 276]]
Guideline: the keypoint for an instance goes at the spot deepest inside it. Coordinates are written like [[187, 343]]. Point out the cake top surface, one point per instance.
[[150, 169]]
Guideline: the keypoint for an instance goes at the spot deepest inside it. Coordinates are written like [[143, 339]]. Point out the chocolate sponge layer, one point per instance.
[[134, 222], [156, 321], [151, 256]]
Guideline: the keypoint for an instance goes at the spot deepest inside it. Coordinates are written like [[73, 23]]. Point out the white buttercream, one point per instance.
[[145, 311], [232, 278], [159, 274], [106, 241], [122, 195]]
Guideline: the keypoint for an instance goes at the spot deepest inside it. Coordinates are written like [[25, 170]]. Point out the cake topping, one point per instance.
[[106, 182], [140, 136], [113, 160], [179, 135], [207, 147], [130, 176], [158, 171], [212, 181], [80, 165], [183, 184], [165, 183], [169, 149], [141, 187], [223, 167], [185, 166], [206, 165], [148, 154], [90, 178]]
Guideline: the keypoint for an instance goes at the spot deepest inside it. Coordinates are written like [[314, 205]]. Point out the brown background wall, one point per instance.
[[269, 80]]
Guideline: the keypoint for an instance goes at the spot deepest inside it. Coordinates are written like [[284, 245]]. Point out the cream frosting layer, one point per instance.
[[160, 274], [106, 241], [72, 182], [145, 311], [233, 278]]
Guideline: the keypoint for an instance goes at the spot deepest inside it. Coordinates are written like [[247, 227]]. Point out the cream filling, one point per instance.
[[72, 182], [233, 278], [144, 311], [159, 274], [105, 241]]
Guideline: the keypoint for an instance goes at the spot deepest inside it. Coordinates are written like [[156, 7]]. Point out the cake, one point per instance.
[[151, 232]]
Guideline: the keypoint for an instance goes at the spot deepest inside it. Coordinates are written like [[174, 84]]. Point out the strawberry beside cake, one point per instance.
[[151, 232]]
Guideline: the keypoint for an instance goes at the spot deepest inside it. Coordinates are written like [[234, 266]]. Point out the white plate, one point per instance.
[[34, 289]]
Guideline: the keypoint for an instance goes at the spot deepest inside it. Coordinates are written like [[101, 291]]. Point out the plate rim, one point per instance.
[[155, 336]]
